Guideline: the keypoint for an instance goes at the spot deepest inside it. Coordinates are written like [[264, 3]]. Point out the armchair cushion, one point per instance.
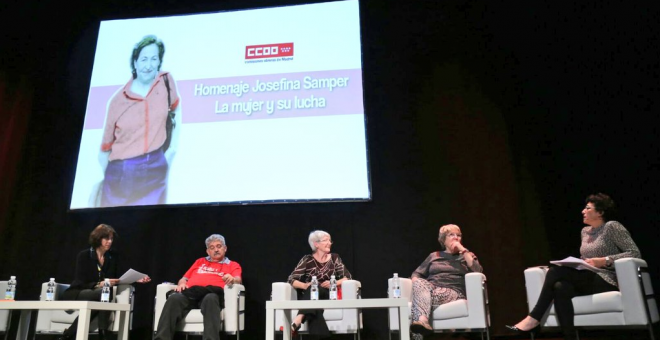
[[333, 314], [598, 303], [455, 309]]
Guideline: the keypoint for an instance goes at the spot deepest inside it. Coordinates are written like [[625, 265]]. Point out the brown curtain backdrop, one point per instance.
[[465, 139], [15, 108]]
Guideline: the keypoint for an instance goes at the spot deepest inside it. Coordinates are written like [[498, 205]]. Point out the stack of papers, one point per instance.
[[576, 263], [131, 276]]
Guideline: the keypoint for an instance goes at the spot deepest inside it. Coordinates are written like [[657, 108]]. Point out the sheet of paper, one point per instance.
[[131, 276], [576, 263]]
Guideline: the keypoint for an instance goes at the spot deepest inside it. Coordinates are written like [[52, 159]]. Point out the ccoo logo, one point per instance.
[[269, 51]]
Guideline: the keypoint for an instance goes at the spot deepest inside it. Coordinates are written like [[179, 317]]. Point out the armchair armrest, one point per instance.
[[350, 289], [477, 300], [534, 278], [234, 306], [59, 289], [282, 291], [351, 320], [124, 294], [626, 273], [161, 291], [632, 295], [405, 284]]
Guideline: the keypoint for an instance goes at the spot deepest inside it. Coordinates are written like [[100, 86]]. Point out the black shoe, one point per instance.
[[66, 335], [294, 329], [423, 328], [520, 331]]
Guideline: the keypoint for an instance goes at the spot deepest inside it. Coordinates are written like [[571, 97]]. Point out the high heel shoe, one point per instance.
[[520, 331], [66, 335], [294, 329]]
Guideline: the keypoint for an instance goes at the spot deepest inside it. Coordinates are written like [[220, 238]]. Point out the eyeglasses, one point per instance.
[[455, 235], [324, 241]]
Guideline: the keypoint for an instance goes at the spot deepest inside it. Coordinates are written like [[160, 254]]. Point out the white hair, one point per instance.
[[316, 236], [213, 238]]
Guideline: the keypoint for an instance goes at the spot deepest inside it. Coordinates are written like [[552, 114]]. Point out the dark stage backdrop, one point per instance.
[[500, 118]]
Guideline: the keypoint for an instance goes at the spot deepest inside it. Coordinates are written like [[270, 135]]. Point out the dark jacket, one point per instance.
[[89, 272]]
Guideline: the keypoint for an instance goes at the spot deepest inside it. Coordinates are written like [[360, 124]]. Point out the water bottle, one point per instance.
[[105, 293], [50, 291], [314, 292], [10, 294], [396, 287], [333, 288]]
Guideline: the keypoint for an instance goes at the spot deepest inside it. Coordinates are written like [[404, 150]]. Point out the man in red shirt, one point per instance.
[[201, 287]]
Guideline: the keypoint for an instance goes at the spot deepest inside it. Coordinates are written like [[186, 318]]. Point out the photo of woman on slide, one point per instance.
[[138, 145]]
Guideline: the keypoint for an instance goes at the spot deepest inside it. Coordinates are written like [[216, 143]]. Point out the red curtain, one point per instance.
[[15, 107]]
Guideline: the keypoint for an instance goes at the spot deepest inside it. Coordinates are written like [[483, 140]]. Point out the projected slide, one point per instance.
[[266, 106]]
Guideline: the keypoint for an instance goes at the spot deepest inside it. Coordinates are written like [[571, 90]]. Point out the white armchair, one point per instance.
[[4, 314], [339, 321], [232, 317], [469, 315], [632, 306], [56, 321]]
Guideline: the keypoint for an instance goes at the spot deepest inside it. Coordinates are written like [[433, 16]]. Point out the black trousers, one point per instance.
[[210, 299], [87, 295], [314, 317], [563, 284]]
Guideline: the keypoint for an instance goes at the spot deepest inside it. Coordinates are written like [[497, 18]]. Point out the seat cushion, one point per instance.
[[454, 309], [598, 303], [333, 314], [61, 316]]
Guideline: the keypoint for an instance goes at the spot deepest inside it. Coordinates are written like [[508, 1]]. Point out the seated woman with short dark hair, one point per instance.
[[603, 242], [93, 266]]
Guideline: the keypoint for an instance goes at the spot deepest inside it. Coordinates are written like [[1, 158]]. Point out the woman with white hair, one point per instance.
[[322, 264], [440, 278]]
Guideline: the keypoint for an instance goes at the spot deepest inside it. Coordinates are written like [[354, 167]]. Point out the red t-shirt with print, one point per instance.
[[206, 273]]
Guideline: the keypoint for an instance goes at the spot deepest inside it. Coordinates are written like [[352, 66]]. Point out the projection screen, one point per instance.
[[267, 107]]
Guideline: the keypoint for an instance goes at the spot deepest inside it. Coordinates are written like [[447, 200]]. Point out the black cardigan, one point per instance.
[[88, 274]]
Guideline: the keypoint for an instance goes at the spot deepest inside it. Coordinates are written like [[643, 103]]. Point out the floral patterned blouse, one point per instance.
[[308, 267]]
